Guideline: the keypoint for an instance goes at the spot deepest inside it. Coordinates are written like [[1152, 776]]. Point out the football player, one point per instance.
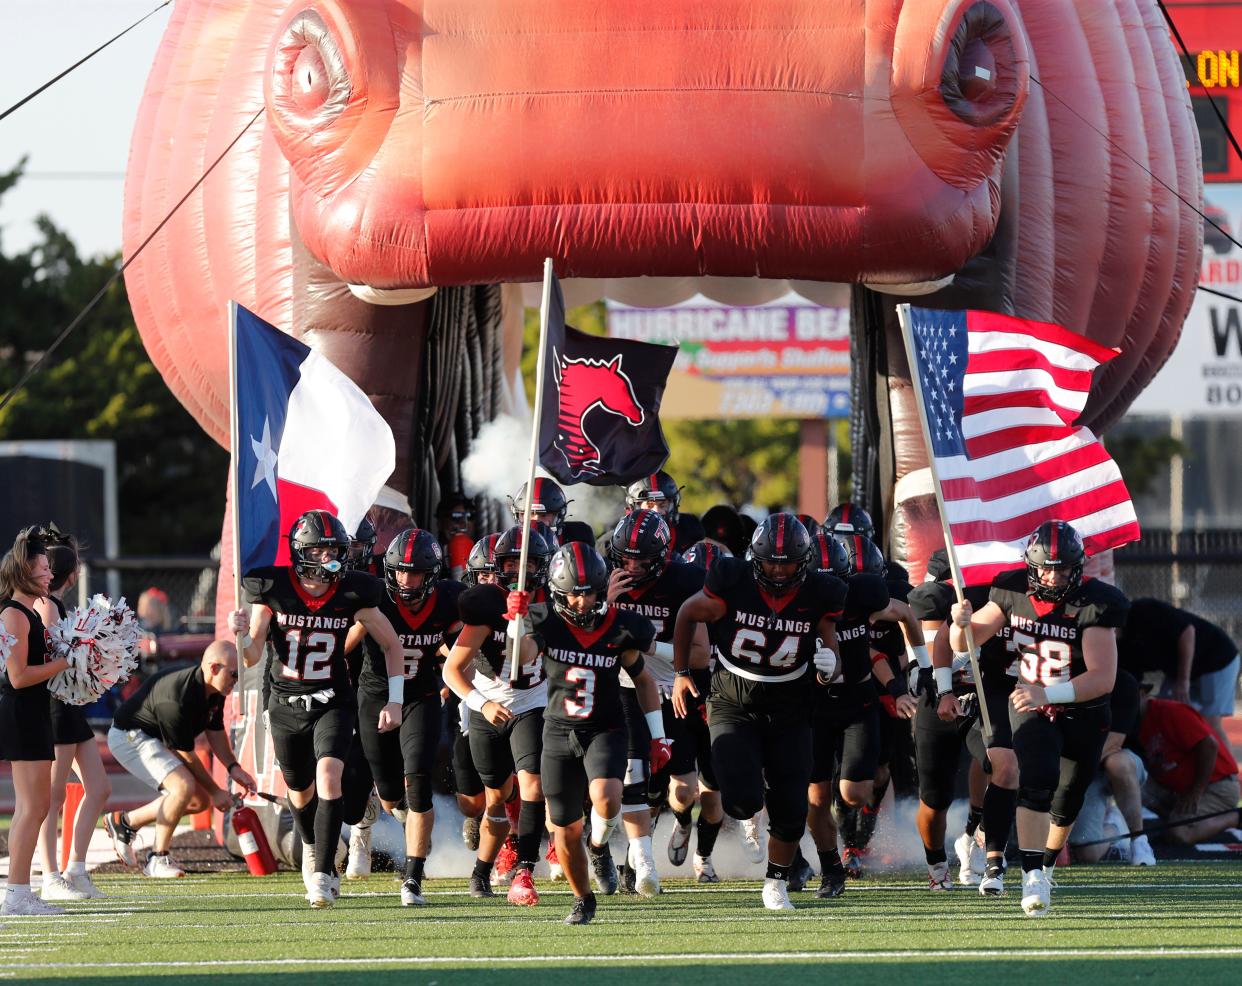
[[1059, 711], [660, 492], [300, 615], [505, 728], [585, 646], [771, 619], [847, 519], [548, 506]]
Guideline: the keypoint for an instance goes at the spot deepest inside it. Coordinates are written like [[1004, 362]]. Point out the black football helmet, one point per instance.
[[862, 555], [413, 550], [551, 538], [362, 546], [849, 519], [644, 535], [548, 498], [938, 569], [780, 540], [828, 556], [1054, 545], [577, 569], [658, 488], [482, 560], [810, 523], [318, 529], [509, 545], [704, 554]]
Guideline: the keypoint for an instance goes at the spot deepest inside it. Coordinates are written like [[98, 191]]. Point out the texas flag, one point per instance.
[[307, 438]]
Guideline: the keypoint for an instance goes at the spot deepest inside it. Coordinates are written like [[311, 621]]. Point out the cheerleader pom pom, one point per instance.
[[100, 642], [7, 643]]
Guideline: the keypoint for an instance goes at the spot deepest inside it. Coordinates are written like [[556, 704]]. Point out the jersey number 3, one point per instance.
[[314, 663], [583, 700]]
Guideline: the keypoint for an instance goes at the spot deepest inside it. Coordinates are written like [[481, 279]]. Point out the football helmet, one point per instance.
[[362, 546], [577, 569], [413, 550], [509, 545], [645, 536], [658, 488], [482, 559], [862, 555], [846, 518], [1054, 545], [548, 498], [828, 556], [705, 553], [780, 540], [810, 523], [318, 529]]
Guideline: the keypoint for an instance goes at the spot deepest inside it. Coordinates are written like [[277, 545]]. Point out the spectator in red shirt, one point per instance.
[[1190, 772]]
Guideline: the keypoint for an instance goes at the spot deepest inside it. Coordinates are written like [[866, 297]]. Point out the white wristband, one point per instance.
[[1062, 693], [655, 724], [396, 689], [476, 700], [917, 653], [944, 680], [247, 640], [961, 660]]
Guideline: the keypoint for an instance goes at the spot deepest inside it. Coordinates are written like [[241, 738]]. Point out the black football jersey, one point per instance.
[[660, 600], [886, 636], [933, 601], [866, 594], [1047, 637], [768, 638], [584, 666], [421, 635], [306, 637], [485, 605]]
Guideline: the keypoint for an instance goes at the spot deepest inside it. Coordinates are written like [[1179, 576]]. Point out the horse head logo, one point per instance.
[[584, 385]]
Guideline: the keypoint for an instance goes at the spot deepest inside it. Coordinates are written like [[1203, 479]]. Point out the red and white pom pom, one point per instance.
[[100, 641], [7, 643]]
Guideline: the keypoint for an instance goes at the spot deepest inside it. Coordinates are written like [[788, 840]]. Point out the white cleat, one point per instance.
[[412, 894], [971, 860], [56, 887], [320, 893], [704, 871], [162, 868], [334, 884], [993, 882], [752, 839], [359, 866], [1036, 894], [678, 843], [938, 879], [27, 904], [83, 883], [308, 867], [1140, 852], [776, 895], [646, 879]]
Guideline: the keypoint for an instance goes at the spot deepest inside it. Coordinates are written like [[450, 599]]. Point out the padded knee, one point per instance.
[[634, 797], [418, 792], [1035, 798]]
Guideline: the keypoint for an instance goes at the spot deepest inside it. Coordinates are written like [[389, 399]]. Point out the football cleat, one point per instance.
[[470, 833], [522, 890], [1036, 894], [864, 825], [56, 887], [704, 871], [971, 861], [412, 893], [359, 865], [83, 883], [800, 873], [319, 894], [678, 843], [555, 871], [603, 869], [506, 859], [851, 860], [938, 879], [308, 867], [831, 883], [27, 903], [993, 882], [162, 867], [646, 879], [122, 837], [583, 910], [752, 839], [334, 884], [776, 895], [480, 887], [1140, 852], [625, 879]]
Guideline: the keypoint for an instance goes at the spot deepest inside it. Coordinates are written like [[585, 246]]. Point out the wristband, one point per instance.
[[229, 768], [896, 689], [1062, 693], [918, 653], [944, 680], [476, 700], [655, 724], [681, 672], [961, 659], [247, 640], [396, 689]]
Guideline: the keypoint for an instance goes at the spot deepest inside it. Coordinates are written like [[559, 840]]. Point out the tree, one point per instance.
[[100, 384]]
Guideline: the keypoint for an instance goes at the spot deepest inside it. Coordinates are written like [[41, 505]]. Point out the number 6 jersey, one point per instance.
[[306, 637]]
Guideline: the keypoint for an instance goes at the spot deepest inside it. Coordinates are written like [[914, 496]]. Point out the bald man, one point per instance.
[[152, 737]]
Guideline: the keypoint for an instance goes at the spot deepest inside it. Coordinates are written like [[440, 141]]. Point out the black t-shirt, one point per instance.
[[484, 606], [583, 666], [1125, 704], [660, 600], [421, 635], [1048, 636], [866, 594], [1148, 641], [173, 707], [769, 638], [932, 602], [306, 636]]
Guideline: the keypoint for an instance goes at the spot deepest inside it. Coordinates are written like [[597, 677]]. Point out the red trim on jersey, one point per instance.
[[415, 618], [778, 603], [313, 603], [586, 638], [711, 595], [1042, 607]]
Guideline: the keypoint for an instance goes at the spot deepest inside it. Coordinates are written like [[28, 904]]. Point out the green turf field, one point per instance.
[[1179, 923]]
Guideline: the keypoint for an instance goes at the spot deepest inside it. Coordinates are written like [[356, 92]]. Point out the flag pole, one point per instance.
[[907, 337], [545, 305], [235, 496]]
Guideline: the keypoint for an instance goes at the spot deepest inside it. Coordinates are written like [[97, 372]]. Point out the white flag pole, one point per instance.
[[235, 496], [515, 626], [907, 336]]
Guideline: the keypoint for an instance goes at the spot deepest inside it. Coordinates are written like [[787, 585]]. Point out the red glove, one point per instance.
[[661, 754], [519, 605], [890, 705]]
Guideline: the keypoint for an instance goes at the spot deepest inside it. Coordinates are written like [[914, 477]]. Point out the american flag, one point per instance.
[[1002, 395]]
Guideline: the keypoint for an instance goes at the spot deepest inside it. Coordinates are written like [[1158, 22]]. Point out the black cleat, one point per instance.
[[604, 870], [800, 872], [480, 886], [583, 910], [625, 878], [831, 883]]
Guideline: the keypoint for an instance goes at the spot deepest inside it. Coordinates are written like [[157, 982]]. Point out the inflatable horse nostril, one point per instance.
[[310, 81], [980, 81]]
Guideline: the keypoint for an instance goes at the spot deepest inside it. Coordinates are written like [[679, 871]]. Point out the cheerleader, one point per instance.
[[75, 747], [25, 723]]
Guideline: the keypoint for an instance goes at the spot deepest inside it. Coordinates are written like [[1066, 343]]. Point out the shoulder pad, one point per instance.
[[932, 601], [724, 574], [481, 605]]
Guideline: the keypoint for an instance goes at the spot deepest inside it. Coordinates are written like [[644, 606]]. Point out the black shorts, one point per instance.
[[69, 725], [25, 724], [846, 733], [399, 752], [500, 751], [1060, 753], [692, 740], [997, 694], [572, 758], [938, 747], [301, 737]]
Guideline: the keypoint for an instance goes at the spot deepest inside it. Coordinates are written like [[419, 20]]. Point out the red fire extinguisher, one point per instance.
[[253, 841]]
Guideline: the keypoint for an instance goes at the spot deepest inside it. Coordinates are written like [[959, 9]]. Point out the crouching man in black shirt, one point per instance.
[[152, 736]]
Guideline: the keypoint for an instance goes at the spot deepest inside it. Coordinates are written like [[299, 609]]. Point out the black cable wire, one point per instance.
[[1160, 827], [1221, 294], [1211, 100], [51, 82], [34, 368]]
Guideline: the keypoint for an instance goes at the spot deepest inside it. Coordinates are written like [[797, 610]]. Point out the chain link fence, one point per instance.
[[182, 590]]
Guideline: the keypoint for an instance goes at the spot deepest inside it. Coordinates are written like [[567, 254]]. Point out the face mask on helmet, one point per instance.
[[578, 571], [548, 505], [780, 553], [361, 546], [481, 565], [508, 553], [1054, 560], [862, 555], [658, 492], [639, 546], [318, 546], [412, 553], [703, 553]]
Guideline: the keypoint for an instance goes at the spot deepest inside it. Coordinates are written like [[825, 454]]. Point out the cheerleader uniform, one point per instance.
[[25, 726], [69, 723]]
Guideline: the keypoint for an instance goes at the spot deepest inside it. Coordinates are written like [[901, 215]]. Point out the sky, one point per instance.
[[77, 132]]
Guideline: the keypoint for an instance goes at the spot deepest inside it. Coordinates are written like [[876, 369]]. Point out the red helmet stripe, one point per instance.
[[1052, 546], [635, 532], [579, 561], [858, 553], [845, 513], [780, 534], [411, 537]]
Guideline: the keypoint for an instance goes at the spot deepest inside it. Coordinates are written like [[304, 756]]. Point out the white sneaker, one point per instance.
[[1036, 894], [26, 903], [704, 871], [776, 895], [752, 839], [992, 884], [359, 865], [334, 884], [1140, 852], [83, 883], [320, 893], [162, 868], [938, 879], [341, 859], [308, 867], [412, 894], [646, 879], [678, 843], [971, 860], [56, 887]]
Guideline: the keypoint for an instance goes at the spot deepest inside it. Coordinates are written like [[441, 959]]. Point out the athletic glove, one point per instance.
[[519, 605], [661, 754], [825, 660]]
